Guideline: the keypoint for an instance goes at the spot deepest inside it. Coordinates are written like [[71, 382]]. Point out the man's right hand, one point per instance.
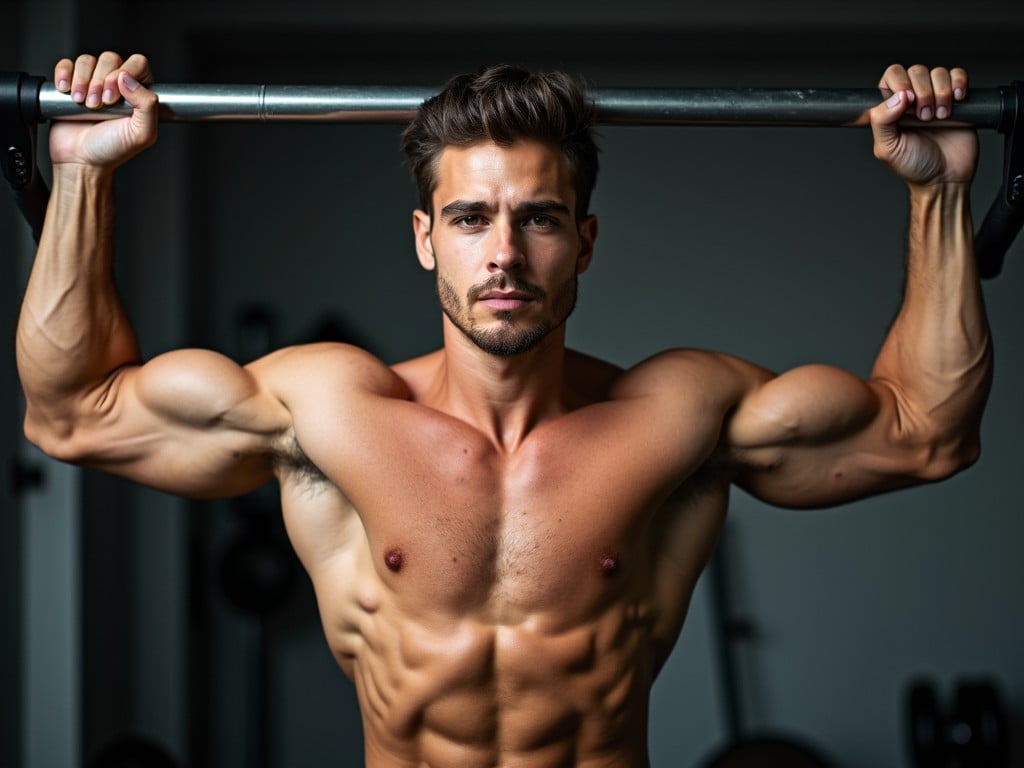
[[97, 82]]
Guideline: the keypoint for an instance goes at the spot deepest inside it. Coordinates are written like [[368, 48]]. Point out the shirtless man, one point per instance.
[[503, 535]]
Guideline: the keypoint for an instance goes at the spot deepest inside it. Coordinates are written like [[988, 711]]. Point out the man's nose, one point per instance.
[[507, 254]]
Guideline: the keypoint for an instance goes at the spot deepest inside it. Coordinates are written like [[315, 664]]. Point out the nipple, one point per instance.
[[609, 564], [393, 559]]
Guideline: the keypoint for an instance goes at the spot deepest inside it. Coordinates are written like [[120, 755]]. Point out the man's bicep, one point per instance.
[[818, 436], [191, 422], [813, 404]]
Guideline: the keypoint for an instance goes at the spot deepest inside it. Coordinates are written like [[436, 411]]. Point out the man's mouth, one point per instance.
[[504, 301]]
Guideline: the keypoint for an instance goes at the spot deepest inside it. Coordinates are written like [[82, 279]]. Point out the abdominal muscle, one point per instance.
[[468, 693], [448, 690]]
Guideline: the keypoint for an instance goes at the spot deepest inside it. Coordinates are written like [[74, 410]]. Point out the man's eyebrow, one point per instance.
[[544, 206], [463, 206]]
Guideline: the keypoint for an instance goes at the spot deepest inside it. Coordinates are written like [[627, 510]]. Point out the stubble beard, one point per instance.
[[510, 338]]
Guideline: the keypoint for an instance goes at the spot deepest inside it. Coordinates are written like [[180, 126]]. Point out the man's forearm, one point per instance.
[[938, 354], [72, 331]]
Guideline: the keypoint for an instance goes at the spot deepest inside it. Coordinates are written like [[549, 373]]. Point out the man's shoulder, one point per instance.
[[671, 371], [332, 365], [692, 371]]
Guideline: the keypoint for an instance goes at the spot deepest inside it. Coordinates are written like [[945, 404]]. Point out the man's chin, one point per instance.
[[506, 341]]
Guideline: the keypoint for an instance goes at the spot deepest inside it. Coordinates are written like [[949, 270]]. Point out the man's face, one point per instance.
[[505, 243]]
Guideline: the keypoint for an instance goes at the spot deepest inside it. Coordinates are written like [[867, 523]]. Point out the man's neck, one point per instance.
[[503, 397]]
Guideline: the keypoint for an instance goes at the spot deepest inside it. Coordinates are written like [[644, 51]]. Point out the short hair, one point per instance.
[[505, 104]]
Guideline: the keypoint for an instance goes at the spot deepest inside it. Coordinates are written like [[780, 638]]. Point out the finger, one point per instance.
[[884, 118], [895, 78], [103, 84], [80, 77], [942, 87], [138, 66], [62, 75], [145, 117], [924, 96], [959, 77]]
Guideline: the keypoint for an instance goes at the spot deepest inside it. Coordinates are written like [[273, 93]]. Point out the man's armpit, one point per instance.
[[292, 465]]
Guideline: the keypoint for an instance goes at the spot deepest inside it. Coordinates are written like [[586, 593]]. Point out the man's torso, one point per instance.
[[504, 606]]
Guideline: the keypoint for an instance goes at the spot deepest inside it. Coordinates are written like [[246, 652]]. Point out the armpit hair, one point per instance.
[[292, 463]]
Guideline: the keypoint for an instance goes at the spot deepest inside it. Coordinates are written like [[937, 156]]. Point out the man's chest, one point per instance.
[[568, 504], [451, 521]]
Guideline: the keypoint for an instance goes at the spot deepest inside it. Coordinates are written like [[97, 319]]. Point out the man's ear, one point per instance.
[[424, 248], [588, 236]]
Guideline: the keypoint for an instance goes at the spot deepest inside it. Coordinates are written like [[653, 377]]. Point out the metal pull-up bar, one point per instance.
[[622, 106], [26, 101]]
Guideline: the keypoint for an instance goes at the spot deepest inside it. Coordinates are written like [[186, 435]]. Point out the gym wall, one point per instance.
[[783, 246]]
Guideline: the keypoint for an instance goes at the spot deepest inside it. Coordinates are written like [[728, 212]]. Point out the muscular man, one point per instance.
[[503, 535]]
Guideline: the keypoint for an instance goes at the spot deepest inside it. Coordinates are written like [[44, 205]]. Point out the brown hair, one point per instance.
[[504, 104]]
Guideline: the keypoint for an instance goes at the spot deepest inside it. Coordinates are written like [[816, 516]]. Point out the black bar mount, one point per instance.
[[19, 118], [1006, 214]]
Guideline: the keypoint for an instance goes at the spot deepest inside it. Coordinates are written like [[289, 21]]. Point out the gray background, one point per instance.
[[781, 245]]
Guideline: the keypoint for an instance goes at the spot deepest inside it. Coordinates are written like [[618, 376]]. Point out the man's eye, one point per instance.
[[469, 221], [542, 221]]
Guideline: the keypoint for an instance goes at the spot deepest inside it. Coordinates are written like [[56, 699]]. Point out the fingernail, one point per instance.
[[941, 113], [958, 92], [894, 100], [62, 85], [78, 96], [92, 101], [926, 113], [911, 96], [131, 82], [108, 95]]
